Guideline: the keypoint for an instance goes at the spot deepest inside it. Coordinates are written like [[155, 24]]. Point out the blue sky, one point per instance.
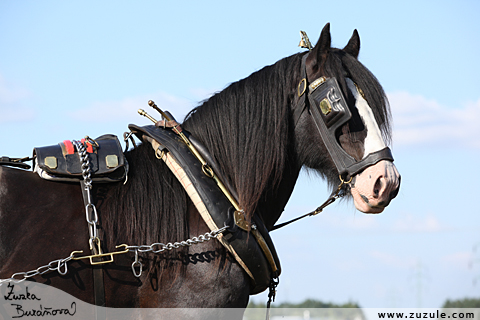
[[68, 69]]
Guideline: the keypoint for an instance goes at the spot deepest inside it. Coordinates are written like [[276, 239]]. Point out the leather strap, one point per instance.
[[302, 91], [15, 162]]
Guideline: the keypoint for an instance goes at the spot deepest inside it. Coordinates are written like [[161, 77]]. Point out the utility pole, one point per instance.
[[475, 260], [419, 276]]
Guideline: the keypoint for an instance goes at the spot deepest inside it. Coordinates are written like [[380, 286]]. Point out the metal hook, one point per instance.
[[59, 267], [138, 264]]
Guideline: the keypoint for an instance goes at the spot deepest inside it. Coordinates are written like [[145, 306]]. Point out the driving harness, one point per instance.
[[218, 208]]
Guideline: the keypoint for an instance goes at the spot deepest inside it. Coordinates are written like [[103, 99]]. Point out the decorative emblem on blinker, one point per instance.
[[326, 103], [325, 106]]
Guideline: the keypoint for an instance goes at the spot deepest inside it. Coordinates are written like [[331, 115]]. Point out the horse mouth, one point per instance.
[[363, 204]]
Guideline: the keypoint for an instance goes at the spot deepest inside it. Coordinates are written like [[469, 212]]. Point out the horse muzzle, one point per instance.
[[375, 187]]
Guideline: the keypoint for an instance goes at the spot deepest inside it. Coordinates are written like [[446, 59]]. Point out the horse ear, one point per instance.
[[320, 51], [324, 42], [353, 45]]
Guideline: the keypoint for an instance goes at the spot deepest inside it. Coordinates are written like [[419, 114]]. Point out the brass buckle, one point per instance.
[[304, 81], [94, 257], [240, 221]]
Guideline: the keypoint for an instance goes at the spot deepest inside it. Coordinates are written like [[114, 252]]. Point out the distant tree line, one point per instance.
[[312, 303], [462, 303], [309, 303]]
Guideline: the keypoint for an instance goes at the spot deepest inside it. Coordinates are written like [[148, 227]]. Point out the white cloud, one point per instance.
[[419, 121], [126, 109], [362, 223], [412, 223], [13, 100], [461, 260], [357, 222], [393, 260]]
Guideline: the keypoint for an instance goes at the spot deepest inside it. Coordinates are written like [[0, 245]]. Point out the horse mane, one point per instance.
[[150, 207], [246, 128]]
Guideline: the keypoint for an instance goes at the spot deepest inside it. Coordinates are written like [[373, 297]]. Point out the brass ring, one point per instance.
[[92, 141], [343, 181], [304, 81], [159, 155], [207, 170]]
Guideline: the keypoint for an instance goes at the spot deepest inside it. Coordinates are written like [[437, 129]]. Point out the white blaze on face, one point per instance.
[[374, 140], [377, 184]]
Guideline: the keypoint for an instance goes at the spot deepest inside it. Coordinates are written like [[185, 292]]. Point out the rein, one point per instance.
[[334, 196]]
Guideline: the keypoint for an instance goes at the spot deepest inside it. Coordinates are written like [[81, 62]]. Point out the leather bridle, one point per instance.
[[325, 102]]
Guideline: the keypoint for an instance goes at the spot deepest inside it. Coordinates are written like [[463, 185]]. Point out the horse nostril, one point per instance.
[[377, 187]]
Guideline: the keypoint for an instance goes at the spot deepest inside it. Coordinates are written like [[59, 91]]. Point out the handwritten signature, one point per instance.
[[41, 311]]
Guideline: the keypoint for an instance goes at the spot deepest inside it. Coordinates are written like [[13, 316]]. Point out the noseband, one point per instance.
[[326, 104]]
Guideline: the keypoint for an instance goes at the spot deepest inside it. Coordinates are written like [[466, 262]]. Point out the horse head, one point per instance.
[[355, 137]]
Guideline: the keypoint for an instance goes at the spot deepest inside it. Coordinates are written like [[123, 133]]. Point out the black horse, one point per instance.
[[250, 130]]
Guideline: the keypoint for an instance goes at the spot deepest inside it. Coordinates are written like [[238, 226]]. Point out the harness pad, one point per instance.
[[61, 162]]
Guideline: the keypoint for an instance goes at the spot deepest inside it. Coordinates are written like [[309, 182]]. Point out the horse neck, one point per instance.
[[273, 203]]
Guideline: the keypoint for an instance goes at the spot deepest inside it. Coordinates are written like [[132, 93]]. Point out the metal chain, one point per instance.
[[160, 247], [90, 209], [60, 265]]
